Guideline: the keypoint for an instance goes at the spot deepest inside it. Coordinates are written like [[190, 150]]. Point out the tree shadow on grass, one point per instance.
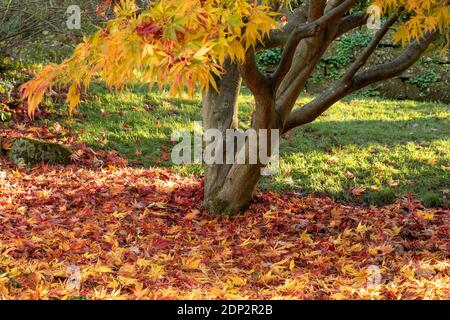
[[396, 146], [387, 159], [143, 136], [361, 133]]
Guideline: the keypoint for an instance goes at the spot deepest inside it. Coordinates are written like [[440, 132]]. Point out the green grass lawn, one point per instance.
[[389, 148]]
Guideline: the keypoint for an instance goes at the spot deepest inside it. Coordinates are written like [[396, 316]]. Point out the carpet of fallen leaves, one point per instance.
[[133, 233], [140, 233]]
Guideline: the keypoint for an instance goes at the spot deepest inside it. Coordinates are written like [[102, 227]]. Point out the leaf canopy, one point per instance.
[[184, 43]]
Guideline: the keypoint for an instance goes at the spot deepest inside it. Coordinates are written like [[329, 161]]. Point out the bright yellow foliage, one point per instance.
[[425, 15], [184, 43], [176, 42]]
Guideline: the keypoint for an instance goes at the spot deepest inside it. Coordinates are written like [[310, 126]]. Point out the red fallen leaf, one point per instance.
[[106, 4], [192, 214], [165, 156], [288, 136], [357, 192], [101, 13], [6, 145], [74, 157], [182, 200], [411, 204], [160, 243], [332, 160], [125, 126], [86, 213], [117, 189], [109, 206], [73, 37], [14, 135], [187, 224], [191, 281], [349, 175]]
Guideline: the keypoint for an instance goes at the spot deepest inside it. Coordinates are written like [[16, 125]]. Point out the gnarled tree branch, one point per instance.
[[340, 89], [253, 79], [307, 30], [395, 67], [367, 52], [351, 22], [278, 37]]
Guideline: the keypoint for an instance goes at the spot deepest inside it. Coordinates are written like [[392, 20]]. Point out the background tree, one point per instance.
[[29, 21], [211, 44]]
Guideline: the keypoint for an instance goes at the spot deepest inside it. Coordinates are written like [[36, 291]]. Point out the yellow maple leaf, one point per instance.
[[237, 281], [190, 263], [102, 269], [268, 277], [304, 236], [156, 272], [362, 229]]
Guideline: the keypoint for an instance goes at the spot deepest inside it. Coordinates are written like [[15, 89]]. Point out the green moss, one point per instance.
[[31, 152]]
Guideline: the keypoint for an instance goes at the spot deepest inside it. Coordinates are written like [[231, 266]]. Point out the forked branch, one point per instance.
[[340, 89]]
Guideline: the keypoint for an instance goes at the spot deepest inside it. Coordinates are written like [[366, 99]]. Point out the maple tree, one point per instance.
[[211, 45]]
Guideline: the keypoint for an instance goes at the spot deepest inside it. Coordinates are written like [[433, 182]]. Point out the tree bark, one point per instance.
[[229, 187], [220, 111], [235, 195]]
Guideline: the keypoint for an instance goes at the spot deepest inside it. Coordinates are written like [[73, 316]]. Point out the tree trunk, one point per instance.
[[228, 188], [235, 195]]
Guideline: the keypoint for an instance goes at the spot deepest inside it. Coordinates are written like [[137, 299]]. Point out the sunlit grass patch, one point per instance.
[[382, 149]]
